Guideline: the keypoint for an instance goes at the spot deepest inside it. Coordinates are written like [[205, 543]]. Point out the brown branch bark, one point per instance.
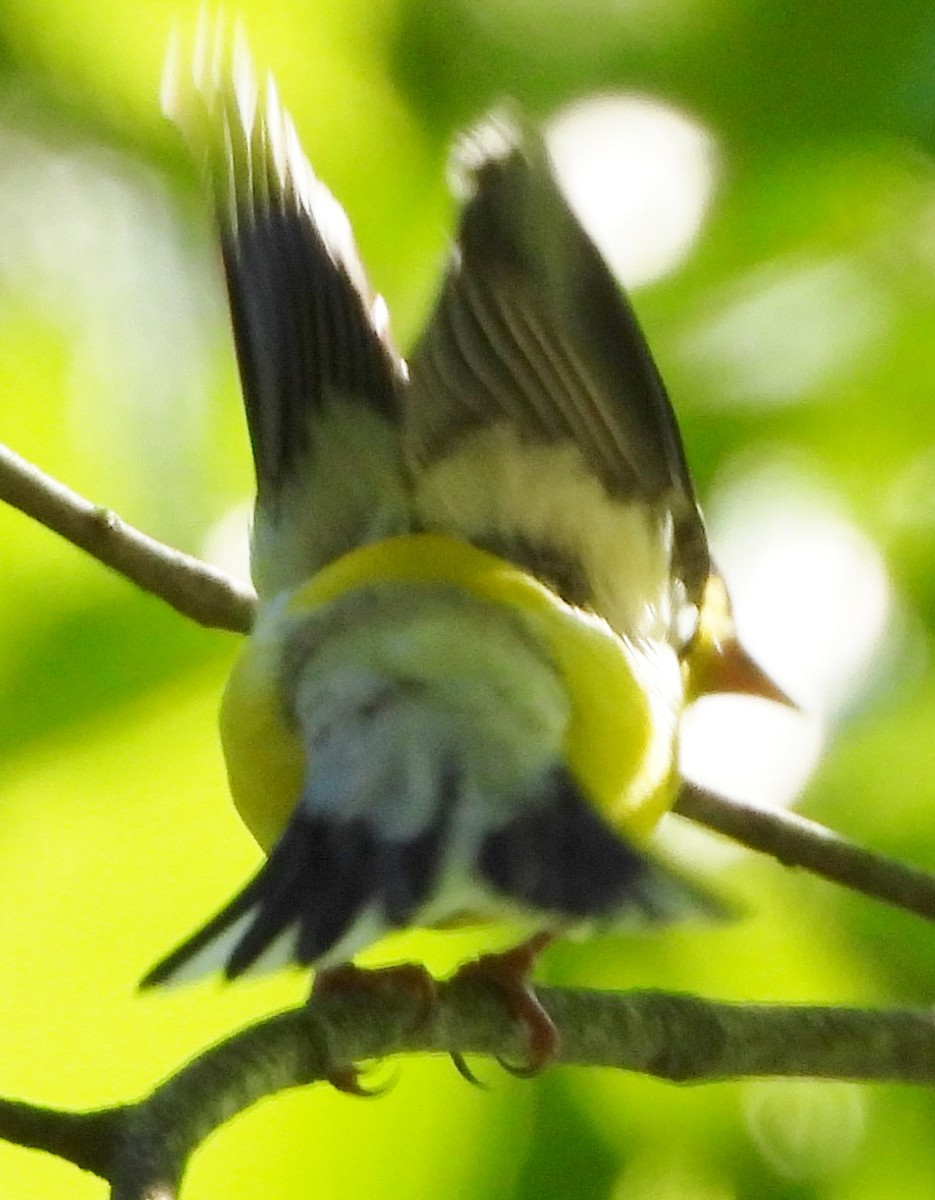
[[796, 841], [193, 588], [142, 1149]]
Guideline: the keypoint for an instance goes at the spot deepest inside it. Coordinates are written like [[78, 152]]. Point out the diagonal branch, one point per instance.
[[192, 587], [796, 841], [142, 1149]]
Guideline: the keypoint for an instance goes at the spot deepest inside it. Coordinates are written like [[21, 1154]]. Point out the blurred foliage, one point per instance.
[[799, 329]]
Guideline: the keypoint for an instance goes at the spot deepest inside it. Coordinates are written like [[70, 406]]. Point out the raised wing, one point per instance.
[[536, 420], [319, 373]]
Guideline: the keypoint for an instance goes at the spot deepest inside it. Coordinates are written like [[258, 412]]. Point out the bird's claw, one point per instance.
[[508, 972], [408, 979]]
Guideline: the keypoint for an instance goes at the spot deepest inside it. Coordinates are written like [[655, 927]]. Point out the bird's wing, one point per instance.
[[319, 373], [536, 420]]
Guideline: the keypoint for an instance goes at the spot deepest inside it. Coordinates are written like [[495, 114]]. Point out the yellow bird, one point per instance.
[[485, 591]]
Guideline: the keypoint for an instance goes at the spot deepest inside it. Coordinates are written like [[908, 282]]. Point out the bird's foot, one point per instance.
[[410, 980], [509, 973]]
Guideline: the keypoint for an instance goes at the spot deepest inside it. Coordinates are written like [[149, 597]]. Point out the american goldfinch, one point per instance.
[[485, 590]]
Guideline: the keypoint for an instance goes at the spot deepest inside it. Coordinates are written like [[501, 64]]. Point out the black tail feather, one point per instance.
[[165, 970], [559, 857], [321, 877]]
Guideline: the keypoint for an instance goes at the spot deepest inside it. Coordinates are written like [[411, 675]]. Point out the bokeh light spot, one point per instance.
[[811, 592], [640, 177], [813, 605], [785, 330], [805, 1129]]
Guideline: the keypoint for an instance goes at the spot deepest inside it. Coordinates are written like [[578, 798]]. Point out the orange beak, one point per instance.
[[717, 662], [731, 669]]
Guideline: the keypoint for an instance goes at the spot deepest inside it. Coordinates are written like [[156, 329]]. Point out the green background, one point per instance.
[[814, 266]]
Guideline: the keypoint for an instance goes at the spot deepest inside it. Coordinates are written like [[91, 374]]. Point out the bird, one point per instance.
[[485, 589]]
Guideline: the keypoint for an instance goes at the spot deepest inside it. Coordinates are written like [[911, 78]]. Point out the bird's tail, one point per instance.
[[334, 884]]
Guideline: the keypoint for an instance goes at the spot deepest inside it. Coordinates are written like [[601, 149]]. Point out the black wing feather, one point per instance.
[[319, 373], [302, 311], [531, 330]]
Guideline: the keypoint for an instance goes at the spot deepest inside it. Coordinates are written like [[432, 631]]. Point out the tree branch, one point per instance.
[[190, 586], [796, 841], [142, 1149]]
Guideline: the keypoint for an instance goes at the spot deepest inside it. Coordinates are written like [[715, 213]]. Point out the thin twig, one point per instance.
[[142, 1149], [193, 588], [796, 841]]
